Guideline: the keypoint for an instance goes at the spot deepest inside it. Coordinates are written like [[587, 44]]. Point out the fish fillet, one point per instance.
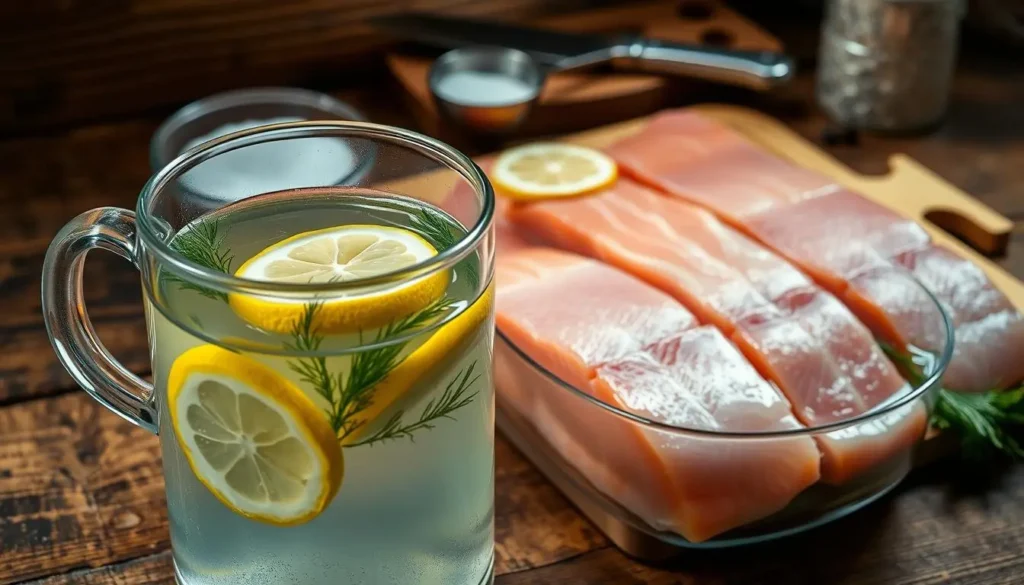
[[636, 348], [803, 339], [855, 248]]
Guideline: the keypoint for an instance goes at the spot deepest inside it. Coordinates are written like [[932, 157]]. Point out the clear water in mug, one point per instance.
[[408, 511]]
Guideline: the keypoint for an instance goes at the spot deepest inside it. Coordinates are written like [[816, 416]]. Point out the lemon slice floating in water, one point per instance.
[[340, 254], [255, 440], [546, 170]]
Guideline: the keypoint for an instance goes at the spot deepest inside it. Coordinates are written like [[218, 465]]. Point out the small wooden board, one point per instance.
[[574, 101]]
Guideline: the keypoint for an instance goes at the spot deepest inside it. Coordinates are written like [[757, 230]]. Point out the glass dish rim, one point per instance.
[[442, 153], [932, 381], [237, 98]]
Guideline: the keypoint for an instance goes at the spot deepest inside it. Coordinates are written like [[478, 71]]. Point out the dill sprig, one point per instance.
[[985, 422], [349, 395], [432, 225], [453, 398], [370, 367], [313, 369], [202, 243]]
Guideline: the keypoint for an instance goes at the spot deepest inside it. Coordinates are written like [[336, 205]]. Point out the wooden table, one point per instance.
[[81, 493]]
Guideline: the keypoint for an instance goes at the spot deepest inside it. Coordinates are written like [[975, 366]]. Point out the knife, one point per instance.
[[562, 51]]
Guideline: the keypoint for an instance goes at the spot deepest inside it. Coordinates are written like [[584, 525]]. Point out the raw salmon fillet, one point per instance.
[[683, 151], [855, 248], [797, 335], [633, 347]]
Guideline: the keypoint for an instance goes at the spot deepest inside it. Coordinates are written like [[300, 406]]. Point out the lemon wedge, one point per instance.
[[340, 254], [546, 170], [259, 444], [422, 360]]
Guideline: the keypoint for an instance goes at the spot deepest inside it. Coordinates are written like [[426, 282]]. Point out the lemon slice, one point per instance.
[[259, 444], [339, 254], [422, 360], [549, 169]]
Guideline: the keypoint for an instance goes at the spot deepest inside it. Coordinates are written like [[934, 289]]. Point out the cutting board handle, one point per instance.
[[937, 201]]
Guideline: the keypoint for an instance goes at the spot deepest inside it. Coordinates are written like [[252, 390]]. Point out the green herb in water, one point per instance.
[[370, 367], [313, 370], [439, 232], [453, 398], [349, 395], [203, 244]]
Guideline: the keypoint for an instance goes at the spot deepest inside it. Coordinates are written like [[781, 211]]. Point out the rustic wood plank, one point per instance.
[[153, 569], [28, 365], [899, 541], [81, 488], [534, 524], [63, 62]]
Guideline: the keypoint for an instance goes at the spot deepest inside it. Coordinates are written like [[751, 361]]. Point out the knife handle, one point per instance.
[[753, 69]]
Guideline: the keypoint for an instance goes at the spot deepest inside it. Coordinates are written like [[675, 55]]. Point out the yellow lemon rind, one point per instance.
[[344, 315]]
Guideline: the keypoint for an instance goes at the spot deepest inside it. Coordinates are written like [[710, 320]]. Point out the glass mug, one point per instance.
[[321, 356]]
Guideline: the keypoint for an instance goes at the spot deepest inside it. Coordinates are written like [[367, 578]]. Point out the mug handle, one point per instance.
[[70, 331]]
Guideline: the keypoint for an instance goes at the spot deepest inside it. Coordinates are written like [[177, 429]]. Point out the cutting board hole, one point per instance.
[[968, 231], [695, 10], [717, 37]]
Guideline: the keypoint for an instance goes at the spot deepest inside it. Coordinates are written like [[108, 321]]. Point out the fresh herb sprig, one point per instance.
[[987, 423], [370, 367], [349, 395], [203, 244], [432, 225], [453, 398], [313, 369]]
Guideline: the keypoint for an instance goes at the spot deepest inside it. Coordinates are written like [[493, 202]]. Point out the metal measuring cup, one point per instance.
[[494, 116]]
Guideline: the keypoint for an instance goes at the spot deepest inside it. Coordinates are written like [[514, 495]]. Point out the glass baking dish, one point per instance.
[[543, 416]]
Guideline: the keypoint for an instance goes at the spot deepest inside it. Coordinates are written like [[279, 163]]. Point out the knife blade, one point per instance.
[[548, 47]]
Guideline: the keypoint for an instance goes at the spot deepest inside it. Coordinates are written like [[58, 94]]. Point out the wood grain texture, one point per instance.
[[534, 527], [68, 61], [929, 532], [79, 487], [155, 569]]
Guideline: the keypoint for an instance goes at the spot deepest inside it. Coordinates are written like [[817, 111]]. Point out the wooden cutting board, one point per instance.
[[574, 101]]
